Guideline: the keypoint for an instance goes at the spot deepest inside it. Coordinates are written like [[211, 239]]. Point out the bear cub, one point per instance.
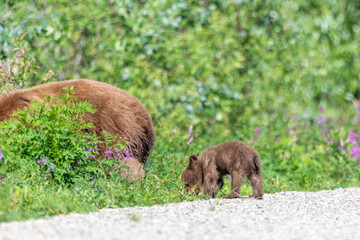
[[235, 158]]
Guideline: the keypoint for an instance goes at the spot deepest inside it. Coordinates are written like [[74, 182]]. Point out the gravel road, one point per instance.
[[286, 215]]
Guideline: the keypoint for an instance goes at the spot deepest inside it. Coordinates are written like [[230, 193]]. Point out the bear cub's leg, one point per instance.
[[256, 184], [213, 181], [237, 179]]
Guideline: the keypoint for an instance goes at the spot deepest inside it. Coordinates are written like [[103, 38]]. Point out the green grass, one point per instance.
[[304, 171]]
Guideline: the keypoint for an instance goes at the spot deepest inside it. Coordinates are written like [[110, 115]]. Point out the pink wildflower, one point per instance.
[[41, 160], [353, 138], [257, 130], [190, 129], [190, 141], [355, 151], [322, 119]]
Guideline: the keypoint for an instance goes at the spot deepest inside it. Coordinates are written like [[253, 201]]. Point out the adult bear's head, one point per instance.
[[11, 101]]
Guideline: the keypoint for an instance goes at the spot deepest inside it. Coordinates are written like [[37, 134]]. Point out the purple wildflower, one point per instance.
[[52, 168], [332, 140], [130, 154], [41, 160], [278, 140], [1, 155], [288, 130], [190, 141], [89, 149], [108, 153], [78, 162], [127, 154], [321, 109], [325, 131], [174, 129], [322, 119], [257, 130], [229, 176], [355, 151], [190, 129], [353, 138], [68, 169]]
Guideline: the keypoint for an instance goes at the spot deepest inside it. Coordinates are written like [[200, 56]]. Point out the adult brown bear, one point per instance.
[[118, 113]]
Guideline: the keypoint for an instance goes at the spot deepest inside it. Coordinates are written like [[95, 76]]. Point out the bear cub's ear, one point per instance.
[[193, 157], [193, 160]]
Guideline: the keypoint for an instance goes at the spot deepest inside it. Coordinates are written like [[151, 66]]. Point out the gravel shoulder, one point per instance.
[[332, 214]]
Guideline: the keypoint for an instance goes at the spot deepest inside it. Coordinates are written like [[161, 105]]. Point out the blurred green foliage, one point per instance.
[[215, 60], [226, 66]]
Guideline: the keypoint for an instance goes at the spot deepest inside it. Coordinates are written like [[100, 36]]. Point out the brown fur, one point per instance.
[[235, 158], [118, 112]]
